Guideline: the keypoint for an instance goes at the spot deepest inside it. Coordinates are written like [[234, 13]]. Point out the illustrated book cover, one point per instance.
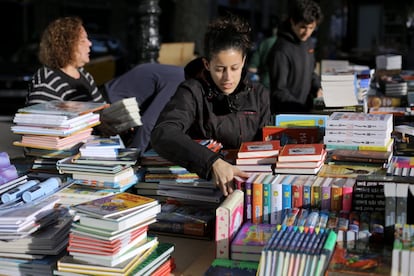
[[114, 205]]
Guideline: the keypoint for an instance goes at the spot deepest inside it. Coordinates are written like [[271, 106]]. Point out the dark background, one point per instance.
[[355, 29]]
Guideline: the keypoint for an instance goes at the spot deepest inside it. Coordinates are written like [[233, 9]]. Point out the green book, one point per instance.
[[161, 254]]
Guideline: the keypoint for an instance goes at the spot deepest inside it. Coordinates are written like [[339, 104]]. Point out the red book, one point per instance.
[[301, 152], [347, 190], [297, 191], [259, 149], [292, 135]]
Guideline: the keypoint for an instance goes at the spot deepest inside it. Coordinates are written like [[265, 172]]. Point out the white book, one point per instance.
[[276, 199], [360, 121]]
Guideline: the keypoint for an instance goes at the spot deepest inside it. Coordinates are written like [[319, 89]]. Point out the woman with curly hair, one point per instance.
[[217, 102], [64, 50]]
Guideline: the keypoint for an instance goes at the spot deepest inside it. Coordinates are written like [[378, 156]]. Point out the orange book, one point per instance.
[[259, 149], [257, 199]]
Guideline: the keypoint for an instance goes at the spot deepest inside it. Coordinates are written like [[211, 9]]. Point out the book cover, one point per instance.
[[297, 191], [301, 152], [229, 217], [66, 108], [308, 120], [257, 199], [114, 205], [349, 170], [252, 237], [360, 121], [121, 222], [316, 193], [259, 149], [367, 156], [336, 194], [276, 200], [231, 267], [307, 186], [59, 121], [347, 191], [287, 192], [360, 258], [267, 197], [326, 193], [248, 196], [98, 143], [292, 135]]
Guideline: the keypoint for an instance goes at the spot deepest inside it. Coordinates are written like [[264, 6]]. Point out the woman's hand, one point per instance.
[[223, 175]]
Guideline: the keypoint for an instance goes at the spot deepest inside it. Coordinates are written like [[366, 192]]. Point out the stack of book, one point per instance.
[[360, 131], [249, 241], [33, 236], [54, 128], [301, 159], [111, 235], [164, 179], [177, 182], [388, 62], [258, 156], [112, 177], [339, 88], [185, 220]]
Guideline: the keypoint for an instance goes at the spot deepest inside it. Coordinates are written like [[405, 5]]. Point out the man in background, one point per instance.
[[291, 61]]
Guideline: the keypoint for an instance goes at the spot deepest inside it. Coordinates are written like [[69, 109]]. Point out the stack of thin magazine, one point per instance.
[[33, 236]]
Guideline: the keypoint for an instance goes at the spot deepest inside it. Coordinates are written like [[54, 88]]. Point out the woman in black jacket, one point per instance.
[[217, 102]]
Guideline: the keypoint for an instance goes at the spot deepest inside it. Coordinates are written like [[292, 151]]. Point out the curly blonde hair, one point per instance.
[[58, 42]]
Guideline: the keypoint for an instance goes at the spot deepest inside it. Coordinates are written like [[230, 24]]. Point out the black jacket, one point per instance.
[[199, 111], [293, 82]]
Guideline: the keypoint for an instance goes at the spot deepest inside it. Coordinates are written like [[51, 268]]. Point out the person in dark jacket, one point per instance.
[[152, 85], [291, 61], [217, 102]]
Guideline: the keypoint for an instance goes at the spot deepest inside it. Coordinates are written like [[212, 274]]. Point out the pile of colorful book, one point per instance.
[[163, 179], [111, 236], [102, 164], [33, 230], [55, 128]]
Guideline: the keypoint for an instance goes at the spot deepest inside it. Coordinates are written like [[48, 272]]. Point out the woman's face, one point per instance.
[[82, 49], [225, 69]]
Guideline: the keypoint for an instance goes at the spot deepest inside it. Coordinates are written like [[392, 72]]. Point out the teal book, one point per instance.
[[225, 267]]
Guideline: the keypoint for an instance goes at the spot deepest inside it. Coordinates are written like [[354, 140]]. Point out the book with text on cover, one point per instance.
[[301, 152], [114, 205], [259, 149], [368, 156], [66, 108]]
